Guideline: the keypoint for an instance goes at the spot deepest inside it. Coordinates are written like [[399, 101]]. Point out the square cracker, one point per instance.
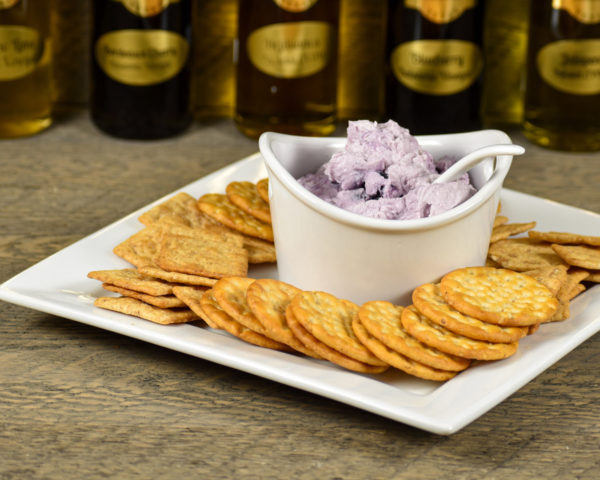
[[141, 249], [137, 308], [208, 254], [522, 254], [131, 279], [180, 209], [579, 255], [161, 301]]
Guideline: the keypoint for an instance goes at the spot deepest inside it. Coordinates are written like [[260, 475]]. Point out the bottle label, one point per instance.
[[21, 49], [291, 49], [4, 4], [437, 67], [440, 11], [295, 6], [141, 57], [585, 11], [571, 66], [146, 8]]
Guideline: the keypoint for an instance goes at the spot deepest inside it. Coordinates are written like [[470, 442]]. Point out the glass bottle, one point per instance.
[[435, 61], [141, 67], [562, 99], [287, 66], [25, 57]]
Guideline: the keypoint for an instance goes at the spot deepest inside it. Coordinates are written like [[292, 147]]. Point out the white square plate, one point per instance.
[[58, 285]]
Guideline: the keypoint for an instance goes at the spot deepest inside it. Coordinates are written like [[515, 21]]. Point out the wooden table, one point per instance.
[[80, 402]]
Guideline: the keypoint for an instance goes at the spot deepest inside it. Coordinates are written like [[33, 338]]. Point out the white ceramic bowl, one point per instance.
[[323, 247]]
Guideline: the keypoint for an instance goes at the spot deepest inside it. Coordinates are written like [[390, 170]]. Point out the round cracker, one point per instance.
[[383, 320], [262, 186], [428, 300], [396, 359], [432, 334], [499, 296], [267, 299], [329, 319], [245, 195]]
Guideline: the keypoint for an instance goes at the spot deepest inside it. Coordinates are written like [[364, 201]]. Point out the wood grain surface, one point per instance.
[[80, 402]]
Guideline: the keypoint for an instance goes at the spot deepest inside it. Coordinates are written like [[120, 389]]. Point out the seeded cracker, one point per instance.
[[219, 207], [262, 186], [210, 254], [498, 296], [137, 308], [133, 280], [428, 300], [245, 195], [396, 359], [329, 319], [267, 299], [225, 322], [432, 334], [161, 301], [383, 321]]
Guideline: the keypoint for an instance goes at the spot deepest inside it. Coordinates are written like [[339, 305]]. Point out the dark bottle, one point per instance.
[[287, 66], [562, 98], [141, 67], [434, 64]]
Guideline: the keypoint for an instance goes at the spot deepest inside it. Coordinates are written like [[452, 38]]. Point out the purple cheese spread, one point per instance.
[[384, 173]]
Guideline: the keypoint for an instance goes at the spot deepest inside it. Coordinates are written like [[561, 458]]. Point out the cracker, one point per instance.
[[428, 299], [141, 248], [594, 276], [225, 322], [498, 296], [329, 319], [177, 277], [552, 276], [137, 308], [180, 209], [383, 320], [572, 285], [579, 255], [262, 187], [521, 254], [565, 238], [131, 279], [326, 352], [396, 359], [259, 251], [500, 232], [245, 196], [209, 255], [191, 296], [500, 220], [430, 333], [219, 207], [161, 301], [267, 299]]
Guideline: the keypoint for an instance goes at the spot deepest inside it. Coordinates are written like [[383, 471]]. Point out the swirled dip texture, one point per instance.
[[384, 173]]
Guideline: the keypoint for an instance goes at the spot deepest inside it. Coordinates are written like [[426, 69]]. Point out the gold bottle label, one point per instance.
[[440, 11], [437, 67], [571, 66], [585, 11], [4, 4], [295, 6], [146, 8], [141, 57], [292, 49], [21, 49]]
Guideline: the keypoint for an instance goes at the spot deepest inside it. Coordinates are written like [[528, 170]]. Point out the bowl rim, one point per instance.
[[340, 215]]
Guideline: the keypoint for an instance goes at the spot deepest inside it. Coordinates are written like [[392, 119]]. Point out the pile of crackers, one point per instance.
[[190, 264]]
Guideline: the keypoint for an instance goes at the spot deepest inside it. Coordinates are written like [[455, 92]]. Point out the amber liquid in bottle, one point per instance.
[[562, 100], [286, 66], [25, 96], [141, 68], [434, 63]]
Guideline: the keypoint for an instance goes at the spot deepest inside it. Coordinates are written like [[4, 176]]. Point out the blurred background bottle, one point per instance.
[[435, 61], [505, 50], [141, 68], [361, 82], [213, 68], [287, 66], [25, 57], [562, 100]]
